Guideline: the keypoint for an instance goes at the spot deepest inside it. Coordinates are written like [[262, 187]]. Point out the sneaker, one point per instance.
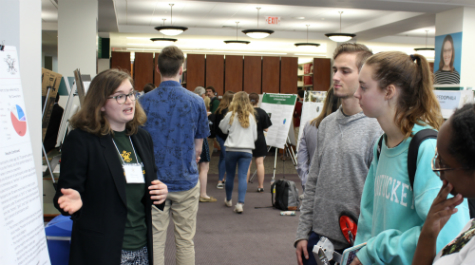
[[228, 203], [209, 199], [301, 197], [238, 208], [220, 185], [260, 190]]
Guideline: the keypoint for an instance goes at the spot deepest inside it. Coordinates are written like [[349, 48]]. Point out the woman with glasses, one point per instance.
[[108, 176], [396, 89], [455, 166]]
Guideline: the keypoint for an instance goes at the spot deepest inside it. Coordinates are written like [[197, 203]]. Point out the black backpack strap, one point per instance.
[[416, 141], [380, 147]]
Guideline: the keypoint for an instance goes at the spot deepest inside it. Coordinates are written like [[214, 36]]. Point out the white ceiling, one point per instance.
[[400, 24]]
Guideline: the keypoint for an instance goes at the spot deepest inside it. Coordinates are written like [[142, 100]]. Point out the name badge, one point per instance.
[[133, 173]]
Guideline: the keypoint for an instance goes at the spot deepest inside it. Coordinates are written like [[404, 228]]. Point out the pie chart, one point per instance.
[[18, 120]]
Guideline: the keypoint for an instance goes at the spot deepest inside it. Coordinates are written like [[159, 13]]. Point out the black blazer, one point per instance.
[[90, 165]]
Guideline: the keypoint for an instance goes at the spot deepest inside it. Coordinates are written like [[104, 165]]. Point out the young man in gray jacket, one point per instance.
[[344, 152]]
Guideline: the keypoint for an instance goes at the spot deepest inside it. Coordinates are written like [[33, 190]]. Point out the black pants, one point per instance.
[[312, 241]]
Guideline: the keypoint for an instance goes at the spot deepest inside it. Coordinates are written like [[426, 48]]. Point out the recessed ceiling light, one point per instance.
[[299, 18]]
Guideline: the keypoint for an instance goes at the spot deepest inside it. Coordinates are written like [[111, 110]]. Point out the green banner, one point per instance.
[[279, 99]]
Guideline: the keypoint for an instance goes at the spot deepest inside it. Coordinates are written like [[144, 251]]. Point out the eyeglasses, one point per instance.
[[437, 168], [122, 98]]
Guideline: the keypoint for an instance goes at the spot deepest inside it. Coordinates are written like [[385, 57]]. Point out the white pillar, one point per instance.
[[21, 27], [77, 36], [456, 21]]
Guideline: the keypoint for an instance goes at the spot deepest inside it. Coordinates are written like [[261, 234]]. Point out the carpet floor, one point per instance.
[[257, 236]]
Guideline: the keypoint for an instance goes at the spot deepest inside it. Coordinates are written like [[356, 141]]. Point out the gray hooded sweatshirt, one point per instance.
[[338, 170]]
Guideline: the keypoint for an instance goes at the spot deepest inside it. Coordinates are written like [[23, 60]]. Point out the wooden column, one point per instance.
[[252, 74], [233, 73], [121, 61], [157, 79], [195, 70], [143, 69], [215, 72], [270, 74], [322, 74], [288, 75]]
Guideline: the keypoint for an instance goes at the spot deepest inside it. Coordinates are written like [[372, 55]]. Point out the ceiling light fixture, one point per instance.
[[258, 33], [171, 30], [426, 52], [163, 39], [340, 37], [306, 44], [237, 41]]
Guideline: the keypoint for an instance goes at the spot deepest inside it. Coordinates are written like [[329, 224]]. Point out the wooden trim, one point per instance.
[[270, 74], [252, 74], [322, 74], [288, 75], [215, 72]]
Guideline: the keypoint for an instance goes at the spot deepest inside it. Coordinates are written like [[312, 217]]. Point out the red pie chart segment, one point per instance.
[[19, 124]]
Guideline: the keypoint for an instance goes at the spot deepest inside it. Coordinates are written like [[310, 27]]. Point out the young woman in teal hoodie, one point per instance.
[[396, 89]]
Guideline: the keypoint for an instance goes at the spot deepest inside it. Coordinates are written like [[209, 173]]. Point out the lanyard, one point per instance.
[[136, 158]]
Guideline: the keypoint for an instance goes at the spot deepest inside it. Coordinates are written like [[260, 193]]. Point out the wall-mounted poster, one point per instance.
[[448, 58]]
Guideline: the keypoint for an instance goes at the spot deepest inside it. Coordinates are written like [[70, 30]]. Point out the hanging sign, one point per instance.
[[272, 20]]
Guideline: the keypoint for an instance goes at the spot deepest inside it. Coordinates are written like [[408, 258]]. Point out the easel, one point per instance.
[[48, 164], [63, 130], [290, 153]]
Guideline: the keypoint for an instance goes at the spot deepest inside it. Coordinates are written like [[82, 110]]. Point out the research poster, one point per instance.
[[311, 108], [280, 108], [22, 233]]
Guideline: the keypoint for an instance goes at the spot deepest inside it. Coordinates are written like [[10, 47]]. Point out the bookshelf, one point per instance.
[[305, 76]]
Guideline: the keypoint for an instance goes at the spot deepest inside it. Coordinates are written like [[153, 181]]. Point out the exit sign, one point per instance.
[[272, 20]]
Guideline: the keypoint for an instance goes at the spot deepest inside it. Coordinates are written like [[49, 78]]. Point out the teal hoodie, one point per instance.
[[392, 215]]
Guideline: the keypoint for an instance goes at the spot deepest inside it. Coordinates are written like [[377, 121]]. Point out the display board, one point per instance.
[[450, 100], [22, 234], [280, 108], [311, 108]]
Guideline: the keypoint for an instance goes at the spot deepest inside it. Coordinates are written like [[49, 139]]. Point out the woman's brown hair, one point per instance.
[[254, 98], [242, 106], [225, 101], [331, 104], [91, 119], [411, 75], [448, 38]]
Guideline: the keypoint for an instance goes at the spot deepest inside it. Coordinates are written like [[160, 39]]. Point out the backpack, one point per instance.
[[286, 195], [416, 141], [418, 138]]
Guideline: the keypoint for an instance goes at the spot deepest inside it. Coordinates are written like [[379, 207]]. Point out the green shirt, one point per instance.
[[214, 104], [135, 234]]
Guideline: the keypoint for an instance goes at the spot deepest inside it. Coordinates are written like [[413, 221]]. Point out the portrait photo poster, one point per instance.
[[457, 48]]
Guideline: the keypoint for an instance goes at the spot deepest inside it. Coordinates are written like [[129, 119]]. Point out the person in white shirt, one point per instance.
[[240, 125]]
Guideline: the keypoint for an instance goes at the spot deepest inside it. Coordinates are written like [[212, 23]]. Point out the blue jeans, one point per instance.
[[222, 157], [242, 160]]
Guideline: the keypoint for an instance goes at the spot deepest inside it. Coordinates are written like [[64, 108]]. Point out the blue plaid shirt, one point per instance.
[[175, 118]]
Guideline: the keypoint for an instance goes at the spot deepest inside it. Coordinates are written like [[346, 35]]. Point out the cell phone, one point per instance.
[[350, 254], [320, 257]]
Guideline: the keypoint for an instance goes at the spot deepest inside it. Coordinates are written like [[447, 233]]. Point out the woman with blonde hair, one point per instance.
[[308, 141], [108, 182], [240, 125], [396, 89], [220, 136]]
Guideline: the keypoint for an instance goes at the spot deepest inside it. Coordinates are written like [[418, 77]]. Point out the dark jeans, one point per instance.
[[312, 241]]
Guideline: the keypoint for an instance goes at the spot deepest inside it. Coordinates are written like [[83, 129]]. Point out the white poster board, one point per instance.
[[450, 100], [311, 108], [22, 233], [280, 108]]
